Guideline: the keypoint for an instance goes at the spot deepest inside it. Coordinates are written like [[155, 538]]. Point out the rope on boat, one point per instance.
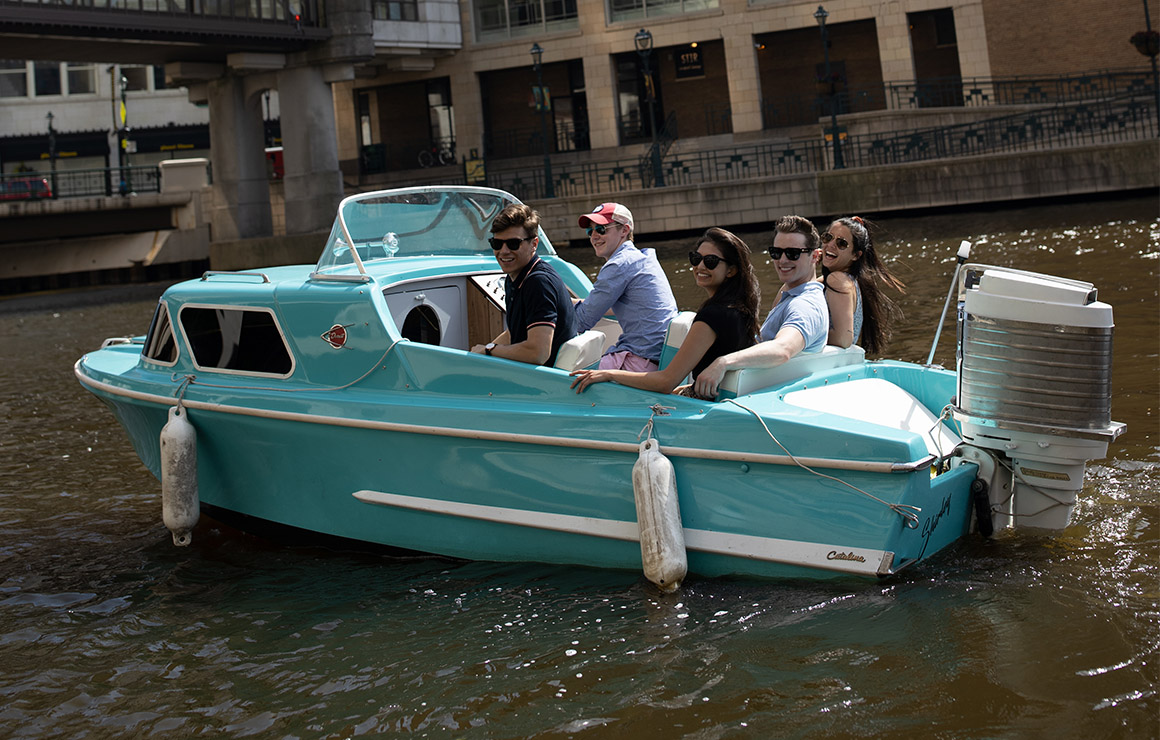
[[1016, 474], [657, 410], [908, 512], [189, 380]]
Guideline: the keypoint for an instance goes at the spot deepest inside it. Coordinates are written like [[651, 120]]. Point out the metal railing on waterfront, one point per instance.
[[961, 92], [105, 181], [1099, 122]]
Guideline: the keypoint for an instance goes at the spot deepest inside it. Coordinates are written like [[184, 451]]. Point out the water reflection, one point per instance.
[[107, 630]]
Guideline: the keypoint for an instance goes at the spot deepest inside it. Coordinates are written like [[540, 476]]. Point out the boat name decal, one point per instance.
[[931, 524], [335, 336], [835, 555]]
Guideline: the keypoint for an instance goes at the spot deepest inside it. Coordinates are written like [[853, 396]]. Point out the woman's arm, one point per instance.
[[696, 344], [841, 299]]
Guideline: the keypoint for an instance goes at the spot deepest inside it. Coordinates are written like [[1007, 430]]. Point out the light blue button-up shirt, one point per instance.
[[633, 286], [804, 308]]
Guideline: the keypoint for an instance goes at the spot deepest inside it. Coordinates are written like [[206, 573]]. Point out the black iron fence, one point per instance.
[[969, 92], [1101, 121], [80, 183]]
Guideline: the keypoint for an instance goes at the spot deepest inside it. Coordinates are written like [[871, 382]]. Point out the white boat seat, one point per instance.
[[749, 379], [675, 336], [581, 352]]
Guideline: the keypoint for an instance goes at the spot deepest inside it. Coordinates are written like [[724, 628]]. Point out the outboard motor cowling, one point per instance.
[[1034, 385]]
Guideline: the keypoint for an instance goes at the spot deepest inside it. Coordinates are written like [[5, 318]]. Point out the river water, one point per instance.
[[107, 630]]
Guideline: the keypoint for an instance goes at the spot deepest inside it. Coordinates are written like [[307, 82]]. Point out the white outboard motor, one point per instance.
[[1034, 387]]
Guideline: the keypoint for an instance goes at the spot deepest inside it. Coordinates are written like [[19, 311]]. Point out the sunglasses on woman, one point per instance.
[[791, 253], [711, 260], [828, 237], [512, 244], [598, 228]]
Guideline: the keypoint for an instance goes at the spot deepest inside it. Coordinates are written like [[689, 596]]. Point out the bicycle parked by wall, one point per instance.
[[439, 153]]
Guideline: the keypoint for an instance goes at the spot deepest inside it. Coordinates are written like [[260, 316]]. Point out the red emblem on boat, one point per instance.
[[335, 336]]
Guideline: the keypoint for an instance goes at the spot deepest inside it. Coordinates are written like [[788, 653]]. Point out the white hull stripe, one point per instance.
[[532, 439], [855, 560]]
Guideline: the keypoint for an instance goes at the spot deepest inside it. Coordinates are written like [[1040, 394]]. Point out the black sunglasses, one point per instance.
[[791, 253], [711, 260], [828, 237], [513, 244]]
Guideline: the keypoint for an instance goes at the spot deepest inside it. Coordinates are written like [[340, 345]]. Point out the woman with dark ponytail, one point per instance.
[[851, 271]]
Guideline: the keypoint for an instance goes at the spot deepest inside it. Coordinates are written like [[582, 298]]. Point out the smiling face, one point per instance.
[[713, 279], [605, 244], [794, 272], [512, 262], [835, 257]]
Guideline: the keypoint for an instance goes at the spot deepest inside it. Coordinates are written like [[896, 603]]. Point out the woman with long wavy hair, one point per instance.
[[851, 271], [725, 322]]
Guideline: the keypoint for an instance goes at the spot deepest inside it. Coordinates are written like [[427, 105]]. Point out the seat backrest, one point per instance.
[[675, 336], [749, 379], [581, 352]]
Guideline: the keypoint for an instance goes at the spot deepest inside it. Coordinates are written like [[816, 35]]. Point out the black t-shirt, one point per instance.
[[537, 297], [731, 329]]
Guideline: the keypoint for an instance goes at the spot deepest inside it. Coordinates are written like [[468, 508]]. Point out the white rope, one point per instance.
[[907, 511], [657, 410]]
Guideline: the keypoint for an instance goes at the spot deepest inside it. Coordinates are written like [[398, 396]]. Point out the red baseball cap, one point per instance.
[[606, 213]]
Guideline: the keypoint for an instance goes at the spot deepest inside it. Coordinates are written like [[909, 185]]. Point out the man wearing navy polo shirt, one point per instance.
[[540, 316]]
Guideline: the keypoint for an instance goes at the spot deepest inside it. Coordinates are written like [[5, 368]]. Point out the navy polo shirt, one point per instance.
[[537, 297]]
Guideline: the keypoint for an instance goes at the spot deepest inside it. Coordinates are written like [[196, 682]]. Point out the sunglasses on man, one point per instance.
[[512, 244], [600, 229], [711, 260], [791, 253], [828, 237]]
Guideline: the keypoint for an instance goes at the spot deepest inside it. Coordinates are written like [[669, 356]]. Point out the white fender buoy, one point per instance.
[[180, 507], [658, 514]]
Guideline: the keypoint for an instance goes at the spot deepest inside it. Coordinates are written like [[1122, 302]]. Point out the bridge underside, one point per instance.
[[102, 35]]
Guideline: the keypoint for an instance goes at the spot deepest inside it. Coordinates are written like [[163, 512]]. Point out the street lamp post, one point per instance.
[[644, 43], [1152, 53], [821, 16], [541, 103], [52, 151]]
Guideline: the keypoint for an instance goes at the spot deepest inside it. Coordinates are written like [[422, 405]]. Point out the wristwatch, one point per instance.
[[487, 348]]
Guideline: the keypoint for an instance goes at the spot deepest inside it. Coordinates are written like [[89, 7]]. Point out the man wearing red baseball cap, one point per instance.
[[632, 286]]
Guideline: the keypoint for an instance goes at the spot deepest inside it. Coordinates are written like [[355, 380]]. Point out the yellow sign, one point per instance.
[[475, 172], [122, 112]]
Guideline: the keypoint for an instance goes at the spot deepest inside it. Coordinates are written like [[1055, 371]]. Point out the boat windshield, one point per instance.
[[415, 222]]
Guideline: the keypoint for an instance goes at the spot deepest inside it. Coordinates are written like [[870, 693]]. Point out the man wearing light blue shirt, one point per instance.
[[632, 286]]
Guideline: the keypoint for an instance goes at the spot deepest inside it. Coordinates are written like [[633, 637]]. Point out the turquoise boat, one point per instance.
[[342, 399]]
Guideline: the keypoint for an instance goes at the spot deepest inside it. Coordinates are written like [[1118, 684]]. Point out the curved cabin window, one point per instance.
[[160, 344], [422, 325], [245, 340]]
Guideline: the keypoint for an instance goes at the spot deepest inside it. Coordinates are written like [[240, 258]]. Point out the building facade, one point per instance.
[[739, 69]]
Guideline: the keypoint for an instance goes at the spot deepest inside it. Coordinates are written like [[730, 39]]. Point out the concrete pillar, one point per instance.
[[313, 181], [600, 86], [241, 193], [744, 77]]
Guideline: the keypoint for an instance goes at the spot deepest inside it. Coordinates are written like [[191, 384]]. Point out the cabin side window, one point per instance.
[[160, 344], [245, 340]]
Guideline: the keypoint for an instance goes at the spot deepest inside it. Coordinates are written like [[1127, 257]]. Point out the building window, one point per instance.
[[13, 78], [82, 79], [136, 77], [396, 10], [629, 10], [47, 77], [501, 19]]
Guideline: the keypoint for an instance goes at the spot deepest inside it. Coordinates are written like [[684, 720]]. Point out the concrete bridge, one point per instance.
[[227, 52]]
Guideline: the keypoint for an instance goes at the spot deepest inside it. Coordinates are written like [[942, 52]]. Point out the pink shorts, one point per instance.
[[626, 361]]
